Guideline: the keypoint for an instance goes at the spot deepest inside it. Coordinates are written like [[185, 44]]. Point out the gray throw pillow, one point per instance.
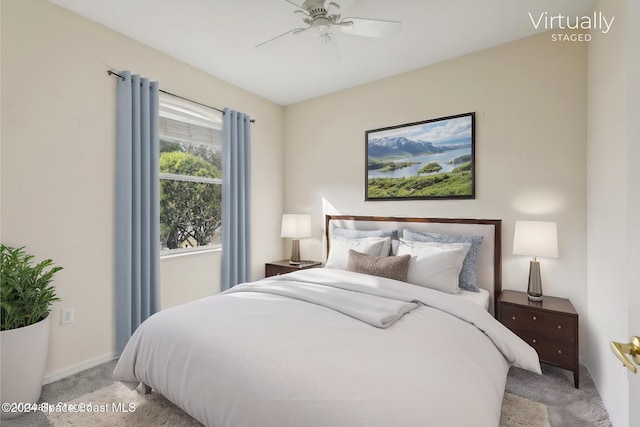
[[469, 274], [391, 267]]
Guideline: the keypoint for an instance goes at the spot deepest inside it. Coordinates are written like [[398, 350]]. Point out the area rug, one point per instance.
[[520, 412], [116, 405]]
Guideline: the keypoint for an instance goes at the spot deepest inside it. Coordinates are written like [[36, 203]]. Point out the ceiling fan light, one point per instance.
[[321, 24], [326, 38]]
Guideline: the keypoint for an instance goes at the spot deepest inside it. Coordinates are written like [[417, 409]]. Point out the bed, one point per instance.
[[340, 345]]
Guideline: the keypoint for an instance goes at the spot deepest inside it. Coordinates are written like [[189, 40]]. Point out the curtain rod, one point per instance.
[[113, 73]]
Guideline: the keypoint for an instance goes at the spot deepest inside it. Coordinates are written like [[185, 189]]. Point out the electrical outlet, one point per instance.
[[67, 316]]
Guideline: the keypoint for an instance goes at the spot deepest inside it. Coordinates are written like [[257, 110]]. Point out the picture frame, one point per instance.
[[428, 160]]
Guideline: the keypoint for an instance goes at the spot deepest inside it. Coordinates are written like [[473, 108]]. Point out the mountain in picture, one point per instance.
[[399, 147]]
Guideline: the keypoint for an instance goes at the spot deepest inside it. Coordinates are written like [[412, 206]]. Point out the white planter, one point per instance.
[[24, 355]]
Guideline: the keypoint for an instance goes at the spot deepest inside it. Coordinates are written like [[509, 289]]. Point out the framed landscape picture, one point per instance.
[[432, 159]]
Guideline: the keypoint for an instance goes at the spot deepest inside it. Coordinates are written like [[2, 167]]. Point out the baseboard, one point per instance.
[[88, 364]]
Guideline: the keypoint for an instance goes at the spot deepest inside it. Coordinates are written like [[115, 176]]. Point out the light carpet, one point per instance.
[[116, 405]]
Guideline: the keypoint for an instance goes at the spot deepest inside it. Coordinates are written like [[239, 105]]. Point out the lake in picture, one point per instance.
[[441, 158]]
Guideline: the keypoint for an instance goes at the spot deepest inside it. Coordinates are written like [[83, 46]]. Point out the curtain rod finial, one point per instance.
[[109, 72]]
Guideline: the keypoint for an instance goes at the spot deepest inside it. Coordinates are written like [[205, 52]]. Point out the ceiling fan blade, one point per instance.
[[298, 7], [370, 27], [344, 4], [333, 9], [281, 39]]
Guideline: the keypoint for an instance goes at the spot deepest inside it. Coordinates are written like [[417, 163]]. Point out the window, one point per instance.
[[190, 175]]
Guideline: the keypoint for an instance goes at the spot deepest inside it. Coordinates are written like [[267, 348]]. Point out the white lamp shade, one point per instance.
[[536, 238], [295, 226]]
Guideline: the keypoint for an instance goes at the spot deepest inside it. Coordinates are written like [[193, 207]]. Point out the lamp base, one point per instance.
[[534, 290], [295, 252]]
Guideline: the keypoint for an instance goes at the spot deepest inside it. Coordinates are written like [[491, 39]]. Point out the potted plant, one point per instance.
[[26, 295]]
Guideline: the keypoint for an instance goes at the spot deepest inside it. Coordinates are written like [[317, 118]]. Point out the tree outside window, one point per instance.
[[190, 167]]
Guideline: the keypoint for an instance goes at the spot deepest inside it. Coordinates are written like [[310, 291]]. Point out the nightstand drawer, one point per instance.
[[554, 326], [275, 270], [560, 353]]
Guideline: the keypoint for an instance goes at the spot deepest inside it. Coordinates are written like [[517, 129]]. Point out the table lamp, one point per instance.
[[536, 239], [295, 226]]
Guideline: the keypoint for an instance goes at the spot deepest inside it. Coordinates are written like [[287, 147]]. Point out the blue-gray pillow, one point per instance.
[[360, 234], [469, 273], [356, 234]]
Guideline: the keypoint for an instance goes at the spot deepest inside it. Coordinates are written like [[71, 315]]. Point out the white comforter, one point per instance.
[[246, 358]]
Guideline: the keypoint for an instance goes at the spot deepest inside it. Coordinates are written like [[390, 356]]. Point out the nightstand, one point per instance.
[[550, 326], [281, 267]]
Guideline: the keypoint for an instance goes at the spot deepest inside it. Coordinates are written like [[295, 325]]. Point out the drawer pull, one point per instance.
[[513, 317], [559, 326], [534, 318], [534, 341], [559, 351]]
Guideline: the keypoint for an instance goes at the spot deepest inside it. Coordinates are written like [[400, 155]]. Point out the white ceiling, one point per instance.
[[219, 37]]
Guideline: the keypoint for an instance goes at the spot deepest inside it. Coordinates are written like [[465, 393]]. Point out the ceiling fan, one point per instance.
[[322, 17]]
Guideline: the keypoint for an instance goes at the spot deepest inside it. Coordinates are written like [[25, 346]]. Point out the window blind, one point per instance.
[[178, 131], [182, 121]]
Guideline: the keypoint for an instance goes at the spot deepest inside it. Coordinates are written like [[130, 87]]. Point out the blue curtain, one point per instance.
[[236, 198], [137, 204]]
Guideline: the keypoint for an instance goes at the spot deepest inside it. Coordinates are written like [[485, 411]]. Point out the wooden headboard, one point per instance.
[[489, 259]]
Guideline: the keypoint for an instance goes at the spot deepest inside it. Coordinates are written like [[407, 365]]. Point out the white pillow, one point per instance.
[[343, 233], [434, 265], [339, 249]]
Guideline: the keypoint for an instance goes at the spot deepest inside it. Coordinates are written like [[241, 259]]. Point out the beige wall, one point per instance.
[[530, 102], [187, 277], [58, 157], [613, 206]]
